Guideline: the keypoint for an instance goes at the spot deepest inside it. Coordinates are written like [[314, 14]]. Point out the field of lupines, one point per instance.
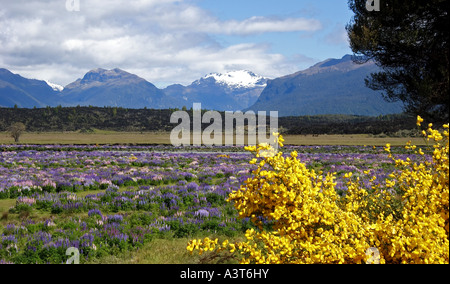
[[105, 200]]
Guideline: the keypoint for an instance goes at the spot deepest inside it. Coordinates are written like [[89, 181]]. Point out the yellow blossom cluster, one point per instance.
[[421, 233], [300, 218]]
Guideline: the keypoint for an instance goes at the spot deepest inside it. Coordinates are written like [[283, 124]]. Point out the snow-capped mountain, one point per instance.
[[24, 92], [55, 87], [238, 79], [231, 91]]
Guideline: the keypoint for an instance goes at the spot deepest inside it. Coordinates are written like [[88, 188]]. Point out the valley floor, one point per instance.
[[150, 138]]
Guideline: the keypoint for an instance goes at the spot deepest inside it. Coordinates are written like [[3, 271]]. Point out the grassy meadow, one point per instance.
[[151, 138]]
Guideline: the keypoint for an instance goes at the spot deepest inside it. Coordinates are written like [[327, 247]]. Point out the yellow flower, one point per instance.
[[419, 120], [311, 223]]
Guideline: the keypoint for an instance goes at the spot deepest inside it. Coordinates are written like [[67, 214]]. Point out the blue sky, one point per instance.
[[330, 41], [169, 41]]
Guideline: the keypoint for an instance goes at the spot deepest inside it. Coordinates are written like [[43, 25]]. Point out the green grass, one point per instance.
[[16, 218], [173, 251], [159, 251], [165, 251], [5, 204], [5, 216]]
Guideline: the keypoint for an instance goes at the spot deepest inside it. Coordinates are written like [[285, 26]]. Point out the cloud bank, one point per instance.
[[163, 41]]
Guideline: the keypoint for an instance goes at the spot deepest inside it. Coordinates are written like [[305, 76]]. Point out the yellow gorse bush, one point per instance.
[[403, 221]]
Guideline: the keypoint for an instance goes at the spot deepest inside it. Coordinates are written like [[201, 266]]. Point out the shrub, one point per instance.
[[16, 130], [405, 220]]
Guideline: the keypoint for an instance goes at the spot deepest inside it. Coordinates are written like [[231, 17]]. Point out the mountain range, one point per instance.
[[231, 91], [334, 86], [116, 88]]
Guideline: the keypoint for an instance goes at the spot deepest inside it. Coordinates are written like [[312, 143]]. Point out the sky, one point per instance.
[[169, 41]]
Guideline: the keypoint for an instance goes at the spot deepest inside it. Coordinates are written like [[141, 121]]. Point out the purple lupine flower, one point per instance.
[[202, 213], [9, 239], [26, 200], [192, 186], [164, 228], [115, 218], [49, 223], [62, 242], [87, 240], [40, 237], [93, 212], [10, 227]]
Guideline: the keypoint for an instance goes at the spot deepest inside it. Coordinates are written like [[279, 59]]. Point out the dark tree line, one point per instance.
[[86, 119]]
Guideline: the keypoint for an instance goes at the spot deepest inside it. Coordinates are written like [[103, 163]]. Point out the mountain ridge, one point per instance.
[[332, 86], [116, 87], [16, 90]]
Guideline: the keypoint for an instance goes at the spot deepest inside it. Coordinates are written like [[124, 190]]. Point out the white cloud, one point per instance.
[[264, 25], [166, 41], [195, 19]]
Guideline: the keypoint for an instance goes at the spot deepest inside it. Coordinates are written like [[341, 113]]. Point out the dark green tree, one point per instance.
[[409, 40]]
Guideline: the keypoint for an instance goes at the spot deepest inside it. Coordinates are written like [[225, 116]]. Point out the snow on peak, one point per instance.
[[55, 87], [239, 79]]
